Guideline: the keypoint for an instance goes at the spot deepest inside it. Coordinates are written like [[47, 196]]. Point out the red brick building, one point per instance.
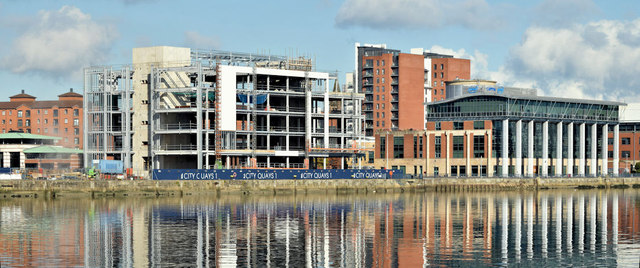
[[447, 69], [59, 118]]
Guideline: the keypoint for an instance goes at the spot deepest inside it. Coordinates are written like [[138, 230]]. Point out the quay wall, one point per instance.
[[120, 188]]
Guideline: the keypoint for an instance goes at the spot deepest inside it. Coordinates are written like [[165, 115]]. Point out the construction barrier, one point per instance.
[[274, 174]]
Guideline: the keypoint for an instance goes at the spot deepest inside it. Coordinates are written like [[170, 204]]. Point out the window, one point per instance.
[[38, 131], [3, 121], [458, 146], [9, 121], [377, 97], [382, 97], [382, 88], [438, 147], [66, 121], [435, 83], [382, 123], [398, 147], [76, 131], [378, 89], [441, 75], [46, 111], [371, 158], [19, 122], [19, 114], [46, 121], [55, 122], [38, 111], [610, 154], [2, 112], [377, 115], [378, 63], [383, 147], [438, 126], [38, 122], [377, 123], [441, 66], [27, 113], [435, 92], [442, 83], [626, 154], [76, 140], [478, 124], [441, 91], [377, 106], [382, 114], [383, 71], [383, 106], [458, 125], [382, 62], [55, 131], [420, 146], [55, 113], [383, 80], [66, 111], [76, 112], [610, 141], [46, 130], [435, 67], [625, 141], [435, 75], [377, 71], [66, 130], [27, 123], [478, 146]]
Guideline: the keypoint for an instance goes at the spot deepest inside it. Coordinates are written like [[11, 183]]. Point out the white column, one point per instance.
[[545, 149], [518, 167], [570, 149], [593, 168], [530, 151], [505, 147], [468, 162], [559, 161], [605, 150], [582, 150], [616, 149]]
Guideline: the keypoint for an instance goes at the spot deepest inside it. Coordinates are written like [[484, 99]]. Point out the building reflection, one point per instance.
[[546, 228]]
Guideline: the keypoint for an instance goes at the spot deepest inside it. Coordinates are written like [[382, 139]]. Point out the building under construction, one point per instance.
[[177, 108]]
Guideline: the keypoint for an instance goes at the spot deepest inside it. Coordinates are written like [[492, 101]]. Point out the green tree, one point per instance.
[[637, 168]]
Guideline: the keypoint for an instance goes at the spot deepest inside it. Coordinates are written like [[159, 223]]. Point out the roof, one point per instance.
[[22, 95], [540, 98], [70, 94], [26, 136], [41, 104], [47, 149]]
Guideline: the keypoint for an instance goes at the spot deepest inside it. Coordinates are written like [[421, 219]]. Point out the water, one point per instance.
[[546, 228]]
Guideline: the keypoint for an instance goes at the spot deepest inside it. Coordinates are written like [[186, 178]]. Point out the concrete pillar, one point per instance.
[[505, 148], [287, 160], [570, 149], [488, 154], [227, 163], [518, 167], [268, 161], [6, 159], [530, 155], [342, 162], [545, 149], [426, 154], [559, 149], [593, 168], [468, 158], [616, 149], [582, 150], [324, 163], [605, 150]]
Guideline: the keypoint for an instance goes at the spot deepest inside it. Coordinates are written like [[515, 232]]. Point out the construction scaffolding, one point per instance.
[[226, 110]]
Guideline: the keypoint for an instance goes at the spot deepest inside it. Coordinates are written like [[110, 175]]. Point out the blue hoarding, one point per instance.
[[274, 174]]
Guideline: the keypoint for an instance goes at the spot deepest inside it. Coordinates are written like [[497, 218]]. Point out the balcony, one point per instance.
[[367, 74], [177, 126], [394, 72], [394, 81]]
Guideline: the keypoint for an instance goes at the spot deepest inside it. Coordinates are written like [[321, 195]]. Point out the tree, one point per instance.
[[637, 168]]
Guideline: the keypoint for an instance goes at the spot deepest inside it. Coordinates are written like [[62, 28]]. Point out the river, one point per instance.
[[544, 228]]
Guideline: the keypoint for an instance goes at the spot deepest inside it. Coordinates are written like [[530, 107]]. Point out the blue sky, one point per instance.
[[567, 48]]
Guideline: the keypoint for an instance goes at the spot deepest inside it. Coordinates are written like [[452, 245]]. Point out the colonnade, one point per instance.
[[580, 161]]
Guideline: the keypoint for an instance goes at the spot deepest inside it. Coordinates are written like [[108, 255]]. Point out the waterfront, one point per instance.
[[522, 228]]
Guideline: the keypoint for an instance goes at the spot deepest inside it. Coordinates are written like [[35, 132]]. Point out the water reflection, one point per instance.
[[549, 228]]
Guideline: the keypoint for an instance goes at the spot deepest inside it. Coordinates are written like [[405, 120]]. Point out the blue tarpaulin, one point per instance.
[[262, 98]]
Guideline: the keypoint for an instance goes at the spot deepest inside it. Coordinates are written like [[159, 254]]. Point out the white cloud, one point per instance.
[[393, 14], [595, 60], [59, 43], [196, 40], [479, 61]]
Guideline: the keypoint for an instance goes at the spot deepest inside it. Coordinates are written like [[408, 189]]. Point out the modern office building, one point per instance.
[[59, 118], [483, 129], [181, 108], [31, 151], [397, 85]]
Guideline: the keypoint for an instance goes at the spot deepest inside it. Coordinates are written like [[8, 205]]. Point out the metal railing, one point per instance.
[[177, 126], [176, 147]]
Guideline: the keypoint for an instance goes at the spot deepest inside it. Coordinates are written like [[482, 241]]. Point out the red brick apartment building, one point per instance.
[[397, 85], [59, 118]]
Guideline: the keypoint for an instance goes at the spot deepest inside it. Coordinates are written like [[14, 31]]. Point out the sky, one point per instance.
[[565, 48]]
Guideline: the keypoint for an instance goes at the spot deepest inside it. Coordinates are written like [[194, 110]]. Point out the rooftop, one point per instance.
[[47, 149], [25, 136]]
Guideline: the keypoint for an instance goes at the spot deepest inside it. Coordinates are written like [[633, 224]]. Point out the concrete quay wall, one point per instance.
[[86, 188]]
